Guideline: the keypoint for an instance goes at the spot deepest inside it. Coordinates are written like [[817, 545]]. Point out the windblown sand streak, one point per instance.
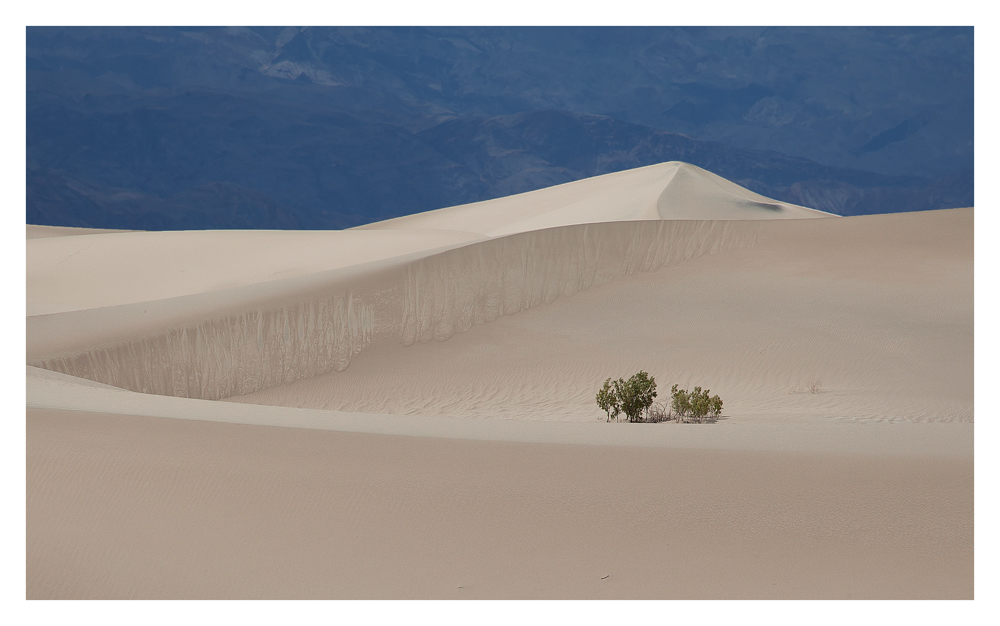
[[241, 354], [254, 347], [877, 309], [450, 292]]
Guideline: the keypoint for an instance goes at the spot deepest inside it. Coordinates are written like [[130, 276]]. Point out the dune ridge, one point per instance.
[[666, 191], [35, 231], [877, 310], [451, 291], [244, 339], [86, 272]]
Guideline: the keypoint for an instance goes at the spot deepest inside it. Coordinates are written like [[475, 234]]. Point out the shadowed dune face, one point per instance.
[[691, 188], [876, 310], [765, 206], [213, 345]]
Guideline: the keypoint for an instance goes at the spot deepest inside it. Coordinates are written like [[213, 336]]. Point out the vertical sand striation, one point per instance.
[[249, 338], [874, 312], [243, 353], [450, 292]]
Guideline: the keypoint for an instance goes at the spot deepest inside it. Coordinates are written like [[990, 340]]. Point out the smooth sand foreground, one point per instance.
[[141, 507]]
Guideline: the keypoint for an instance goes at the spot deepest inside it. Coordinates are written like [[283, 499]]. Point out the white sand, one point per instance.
[[86, 272], [143, 507], [461, 349], [877, 309], [52, 390], [35, 231], [667, 191]]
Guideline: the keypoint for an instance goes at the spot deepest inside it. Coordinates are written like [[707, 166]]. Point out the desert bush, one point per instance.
[[695, 404], [629, 397], [679, 402], [715, 405], [634, 396], [608, 400]]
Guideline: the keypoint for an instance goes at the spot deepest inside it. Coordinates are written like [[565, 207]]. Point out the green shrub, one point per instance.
[[679, 402], [696, 404], [631, 397], [608, 401], [634, 396]]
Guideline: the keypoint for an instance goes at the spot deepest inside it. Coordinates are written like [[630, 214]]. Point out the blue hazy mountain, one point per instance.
[[272, 127]]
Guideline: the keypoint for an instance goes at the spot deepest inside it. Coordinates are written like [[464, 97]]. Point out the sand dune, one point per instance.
[[37, 232], [86, 272], [667, 191], [877, 309], [843, 348], [267, 333]]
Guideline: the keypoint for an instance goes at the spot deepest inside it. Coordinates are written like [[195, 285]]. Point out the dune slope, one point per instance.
[[851, 318], [240, 340], [87, 271], [671, 190], [874, 313]]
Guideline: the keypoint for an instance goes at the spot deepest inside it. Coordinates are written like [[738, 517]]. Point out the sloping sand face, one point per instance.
[[39, 232], [439, 374], [667, 191], [240, 340], [873, 313], [855, 318], [86, 272]]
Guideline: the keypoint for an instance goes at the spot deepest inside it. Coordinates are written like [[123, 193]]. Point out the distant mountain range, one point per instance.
[[157, 128]]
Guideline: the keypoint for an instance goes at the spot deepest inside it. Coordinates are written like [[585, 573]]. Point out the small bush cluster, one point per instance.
[[695, 405], [630, 397], [633, 398]]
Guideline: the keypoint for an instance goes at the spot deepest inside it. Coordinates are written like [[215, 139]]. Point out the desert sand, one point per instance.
[[406, 409]]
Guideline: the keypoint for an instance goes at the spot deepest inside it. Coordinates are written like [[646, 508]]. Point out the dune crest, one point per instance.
[[667, 191], [693, 193], [86, 271], [451, 291], [257, 336]]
